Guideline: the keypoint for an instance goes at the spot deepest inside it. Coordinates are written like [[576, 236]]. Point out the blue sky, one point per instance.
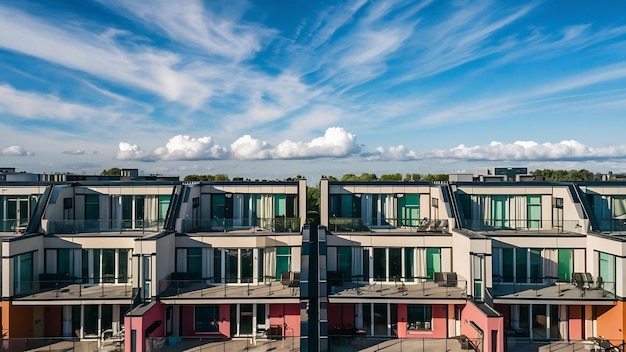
[[271, 89]]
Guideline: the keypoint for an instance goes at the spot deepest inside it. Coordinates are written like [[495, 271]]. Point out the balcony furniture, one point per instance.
[[290, 279], [446, 279]]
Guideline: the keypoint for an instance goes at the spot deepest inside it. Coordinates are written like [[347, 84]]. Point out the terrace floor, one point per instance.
[[560, 291], [78, 292]]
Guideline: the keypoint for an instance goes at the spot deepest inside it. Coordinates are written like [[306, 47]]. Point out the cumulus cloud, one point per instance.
[[183, 147], [529, 150], [398, 153], [127, 151], [336, 142], [15, 150], [74, 152], [248, 148]]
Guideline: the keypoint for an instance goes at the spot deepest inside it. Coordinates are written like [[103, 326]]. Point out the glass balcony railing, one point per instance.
[[278, 224], [230, 286], [78, 287], [108, 225], [281, 337], [556, 226], [13, 225], [613, 225], [388, 224], [549, 287]]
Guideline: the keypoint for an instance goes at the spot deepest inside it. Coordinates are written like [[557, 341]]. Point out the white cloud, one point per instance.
[[38, 106], [192, 23], [530, 151], [248, 148], [398, 153], [74, 152], [127, 151], [336, 142], [183, 147], [15, 150], [102, 55]]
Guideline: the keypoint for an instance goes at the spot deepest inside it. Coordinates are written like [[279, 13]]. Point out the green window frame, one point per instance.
[[533, 211], [433, 262], [283, 260], [409, 210]]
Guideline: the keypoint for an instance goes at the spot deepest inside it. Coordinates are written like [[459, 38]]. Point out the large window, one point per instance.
[[409, 210], [419, 317], [23, 272], [433, 262], [207, 318], [534, 212], [283, 260], [345, 206], [380, 264], [344, 262], [520, 265], [194, 261], [607, 270], [246, 265], [92, 211], [565, 265], [231, 261]]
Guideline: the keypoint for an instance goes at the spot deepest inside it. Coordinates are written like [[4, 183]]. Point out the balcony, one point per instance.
[[248, 287], [13, 225], [278, 224], [399, 288], [95, 226], [51, 287], [612, 225], [387, 225], [525, 225], [551, 288]]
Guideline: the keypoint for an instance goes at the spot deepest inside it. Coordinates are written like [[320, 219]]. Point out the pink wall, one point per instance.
[[141, 323], [575, 323], [471, 313], [439, 323], [225, 315], [188, 312], [289, 314]]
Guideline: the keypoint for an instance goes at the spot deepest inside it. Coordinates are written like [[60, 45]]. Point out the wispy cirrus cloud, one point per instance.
[[195, 24], [103, 55], [32, 105]]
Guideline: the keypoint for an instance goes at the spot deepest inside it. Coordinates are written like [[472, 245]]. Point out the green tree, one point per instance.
[[391, 177], [115, 171], [313, 199], [435, 177]]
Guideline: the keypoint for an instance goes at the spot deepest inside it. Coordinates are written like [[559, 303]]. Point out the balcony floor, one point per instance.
[[75, 294], [272, 290], [555, 291], [388, 290]]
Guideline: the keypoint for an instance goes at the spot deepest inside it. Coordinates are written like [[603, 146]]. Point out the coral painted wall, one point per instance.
[[141, 323], [470, 313], [281, 314], [612, 321], [576, 323]]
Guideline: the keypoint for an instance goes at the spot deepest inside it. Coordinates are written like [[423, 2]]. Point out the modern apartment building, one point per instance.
[[492, 261]]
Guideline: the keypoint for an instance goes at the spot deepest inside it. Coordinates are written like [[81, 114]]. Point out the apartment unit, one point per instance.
[[398, 266], [226, 266], [67, 255]]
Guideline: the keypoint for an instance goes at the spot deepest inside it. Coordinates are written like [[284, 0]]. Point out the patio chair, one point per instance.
[[578, 280]]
